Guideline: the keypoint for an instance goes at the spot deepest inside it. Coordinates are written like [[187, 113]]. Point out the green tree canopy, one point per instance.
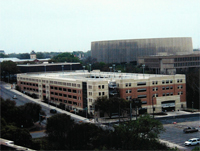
[[8, 67], [57, 129], [19, 135], [65, 57], [111, 105]]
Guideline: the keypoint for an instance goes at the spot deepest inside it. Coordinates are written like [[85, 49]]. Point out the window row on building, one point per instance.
[[186, 59], [66, 101], [187, 64]]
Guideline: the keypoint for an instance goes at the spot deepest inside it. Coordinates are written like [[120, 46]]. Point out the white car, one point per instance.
[[9, 143], [192, 141]]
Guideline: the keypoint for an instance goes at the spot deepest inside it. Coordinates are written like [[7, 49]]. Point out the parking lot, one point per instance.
[[174, 132]]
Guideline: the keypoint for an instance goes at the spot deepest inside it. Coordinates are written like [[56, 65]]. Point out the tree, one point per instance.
[[40, 55], [8, 68], [57, 130], [133, 135], [19, 135], [65, 57], [111, 105], [24, 56]]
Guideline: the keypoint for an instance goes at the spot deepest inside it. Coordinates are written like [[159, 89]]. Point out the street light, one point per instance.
[[130, 109], [114, 67], [192, 106], [143, 66], [110, 69], [152, 106], [62, 69], [90, 66], [45, 68]]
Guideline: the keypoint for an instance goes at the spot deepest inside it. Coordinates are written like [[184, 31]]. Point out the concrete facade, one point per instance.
[[171, 63], [78, 90], [117, 51]]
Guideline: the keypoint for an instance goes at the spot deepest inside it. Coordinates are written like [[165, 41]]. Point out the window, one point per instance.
[[141, 83], [167, 88], [74, 91], [65, 101], [99, 87], [102, 86], [78, 85], [69, 90], [171, 93], [52, 98], [64, 89], [74, 84], [65, 95], [171, 81], [163, 88], [60, 100], [90, 93], [126, 84], [177, 80], [155, 95], [163, 94], [142, 96], [129, 84], [181, 80], [69, 102], [60, 89], [144, 102], [55, 88], [163, 82], [51, 87], [89, 87], [156, 82], [171, 87], [153, 82], [60, 94], [142, 90], [74, 97], [155, 89], [103, 93], [56, 93], [126, 91], [167, 94], [167, 81], [69, 96], [90, 100], [52, 92], [74, 103], [99, 93]]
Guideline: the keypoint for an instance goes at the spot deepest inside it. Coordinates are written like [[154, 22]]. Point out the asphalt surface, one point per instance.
[[174, 132]]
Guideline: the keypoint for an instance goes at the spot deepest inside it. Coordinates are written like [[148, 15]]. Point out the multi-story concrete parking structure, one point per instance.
[[118, 51], [79, 90]]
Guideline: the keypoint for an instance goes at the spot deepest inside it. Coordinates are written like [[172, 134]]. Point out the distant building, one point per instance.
[[49, 67], [32, 55], [80, 89], [2, 52], [171, 64], [119, 51]]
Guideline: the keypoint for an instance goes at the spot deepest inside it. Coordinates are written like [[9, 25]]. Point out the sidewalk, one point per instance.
[[172, 145]]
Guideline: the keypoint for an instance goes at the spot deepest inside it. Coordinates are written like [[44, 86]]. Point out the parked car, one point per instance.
[[53, 111], [9, 143], [190, 130], [192, 141], [14, 96]]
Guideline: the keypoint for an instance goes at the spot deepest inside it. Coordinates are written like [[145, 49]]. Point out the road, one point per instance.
[[22, 99]]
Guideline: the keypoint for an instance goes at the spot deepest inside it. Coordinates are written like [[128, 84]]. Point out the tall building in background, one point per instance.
[[118, 51]]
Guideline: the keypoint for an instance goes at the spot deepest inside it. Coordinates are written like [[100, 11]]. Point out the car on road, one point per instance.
[[14, 96], [190, 130], [192, 141], [9, 143], [53, 111]]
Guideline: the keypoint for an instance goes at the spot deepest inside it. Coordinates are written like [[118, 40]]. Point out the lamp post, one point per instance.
[[130, 109], [45, 68], [110, 69], [152, 106], [90, 67], [114, 67], [143, 66], [192, 106], [62, 69]]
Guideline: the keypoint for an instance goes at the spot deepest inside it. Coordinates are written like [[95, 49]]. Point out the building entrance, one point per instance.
[[168, 105]]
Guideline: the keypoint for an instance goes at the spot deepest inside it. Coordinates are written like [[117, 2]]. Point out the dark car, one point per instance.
[[190, 130], [53, 111]]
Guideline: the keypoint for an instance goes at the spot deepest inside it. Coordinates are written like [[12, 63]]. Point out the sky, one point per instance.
[[71, 25]]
